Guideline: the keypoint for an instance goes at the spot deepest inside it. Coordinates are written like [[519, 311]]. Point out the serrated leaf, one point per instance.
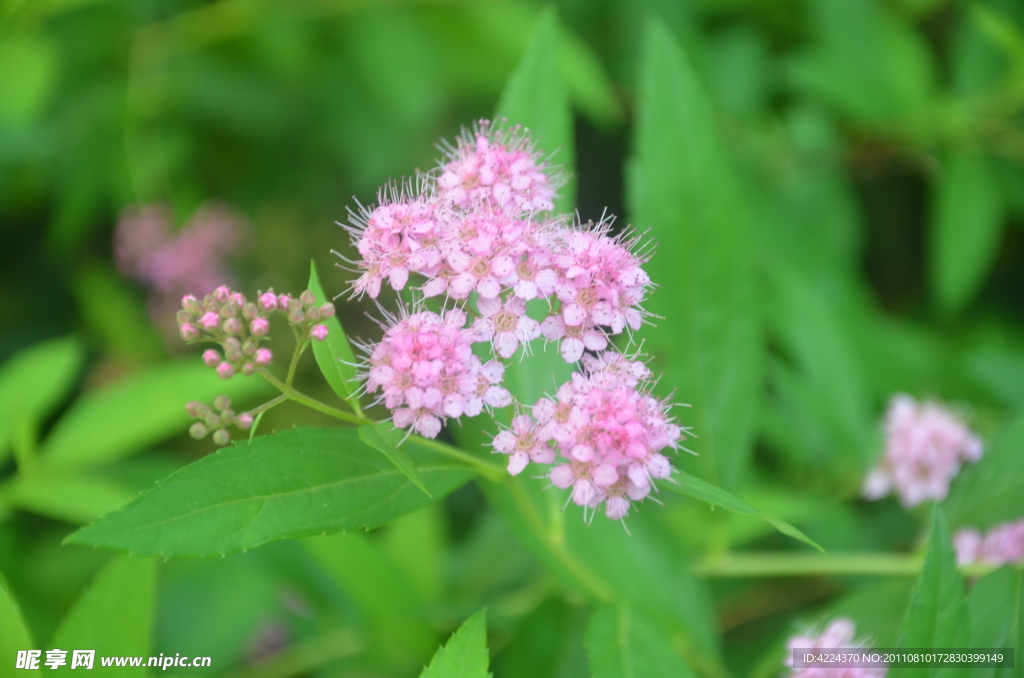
[[118, 420], [937, 616], [114, 616], [682, 192], [992, 490], [297, 483], [33, 381], [334, 354], [465, 654], [387, 440], [535, 97], [691, 486], [14, 634], [624, 643], [965, 226]]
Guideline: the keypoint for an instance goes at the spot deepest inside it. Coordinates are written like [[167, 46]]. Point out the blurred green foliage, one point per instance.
[[841, 220]]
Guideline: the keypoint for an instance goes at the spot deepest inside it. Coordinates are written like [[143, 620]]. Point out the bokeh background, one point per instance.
[[880, 148]]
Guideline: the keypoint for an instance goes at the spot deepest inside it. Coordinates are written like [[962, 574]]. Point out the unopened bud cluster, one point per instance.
[[216, 420], [239, 325]]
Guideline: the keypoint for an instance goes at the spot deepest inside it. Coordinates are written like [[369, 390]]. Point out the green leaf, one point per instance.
[[997, 616], [691, 486], [387, 439], [114, 616], [143, 409], [33, 382], [465, 653], [682, 192], [297, 483], [14, 634], [28, 69], [937, 616], [992, 490], [966, 223], [535, 97], [334, 354], [75, 499], [623, 643]]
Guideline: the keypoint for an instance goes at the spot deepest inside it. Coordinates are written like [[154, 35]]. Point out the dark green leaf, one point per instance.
[[691, 486], [937, 616], [992, 490], [334, 354], [126, 417], [966, 223], [682, 191], [15, 634], [535, 98], [465, 653], [623, 643], [296, 483], [997, 617], [114, 616], [386, 439]]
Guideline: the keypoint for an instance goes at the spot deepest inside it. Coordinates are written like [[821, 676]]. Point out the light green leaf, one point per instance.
[[334, 354], [32, 383], [75, 499], [28, 69], [387, 440], [681, 191], [14, 634], [465, 653], [535, 97], [623, 643], [691, 486], [143, 409], [297, 483], [966, 223], [992, 490], [997, 616], [937, 616], [114, 616]]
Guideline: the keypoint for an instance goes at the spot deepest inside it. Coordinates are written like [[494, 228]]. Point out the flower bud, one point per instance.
[[296, 316], [233, 326], [263, 356], [307, 298], [244, 421], [327, 311], [221, 437], [283, 300], [222, 402], [259, 326], [225, 371], [198, 431], [248, 369], [249, 311], [188, 331], [249, 347], [192, 408], [191, 304], [210, 320], [182, 317], [268, 301], [213, 421], [211, 357], [319, 332], [238, 299], [313, 314], [228, 310], [222, 293]]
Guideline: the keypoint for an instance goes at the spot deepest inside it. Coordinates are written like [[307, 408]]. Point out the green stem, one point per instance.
[[775, 564], [300, 347], [269, 404]]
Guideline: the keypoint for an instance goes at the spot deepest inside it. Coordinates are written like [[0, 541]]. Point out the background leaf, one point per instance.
[[992, 490], [681, 192], [334, 354], [114, 615], [297, 483], [386, 439], [997, 617], [623, 643], [75, 499], [15, 634], [465, 653]]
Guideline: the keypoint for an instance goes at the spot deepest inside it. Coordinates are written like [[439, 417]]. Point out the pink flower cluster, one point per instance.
[[476, 226], [426, 371], [1001, 545], [174, 264], [608, 430], [227, 318], [837, 635], [925, 446]]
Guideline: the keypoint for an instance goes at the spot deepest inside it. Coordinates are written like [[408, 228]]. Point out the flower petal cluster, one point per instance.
[[840, 634], [1000, 545], [426, 372], [925, 446]]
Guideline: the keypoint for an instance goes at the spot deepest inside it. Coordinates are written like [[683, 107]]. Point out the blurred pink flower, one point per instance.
[[1001, 545], [837, 635]]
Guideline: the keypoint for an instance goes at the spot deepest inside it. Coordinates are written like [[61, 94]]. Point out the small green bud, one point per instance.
[[307, 298], [222, 402], [213, 421], [197, 431], [221, 437]]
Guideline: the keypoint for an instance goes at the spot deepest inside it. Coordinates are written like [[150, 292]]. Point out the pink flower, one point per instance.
[[210, 320], [268, 301], [319, 332], [925, 447], [525, 442], [572, 339], [1001, 545], [188, 331], [259, 326], [263, 356], [506, 325], [211, 357], [838, 635]]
